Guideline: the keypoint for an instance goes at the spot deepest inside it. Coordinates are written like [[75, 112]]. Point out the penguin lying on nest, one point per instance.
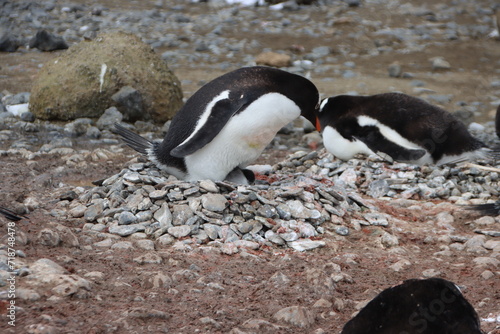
[[428, 306], [397, 127], [227, 124]]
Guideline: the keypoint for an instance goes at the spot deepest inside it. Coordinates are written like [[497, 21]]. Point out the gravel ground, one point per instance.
[[112, 245]]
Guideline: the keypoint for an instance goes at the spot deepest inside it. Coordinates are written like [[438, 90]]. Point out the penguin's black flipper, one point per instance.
[[377, 142], [132, 139], [217, 118], [10, 215], [488, 209]]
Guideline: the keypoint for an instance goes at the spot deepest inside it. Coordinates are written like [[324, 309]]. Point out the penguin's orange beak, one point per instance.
[[318, 125]]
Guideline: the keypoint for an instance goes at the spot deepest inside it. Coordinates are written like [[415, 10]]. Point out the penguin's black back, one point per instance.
[[250, 81], [428, 306], [427, 125]]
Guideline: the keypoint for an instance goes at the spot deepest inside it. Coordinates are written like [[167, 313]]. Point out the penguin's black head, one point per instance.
[[307, 98], [326, 112], [334, 107]]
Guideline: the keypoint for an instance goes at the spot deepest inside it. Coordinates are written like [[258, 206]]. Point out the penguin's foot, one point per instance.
[[241, 176]]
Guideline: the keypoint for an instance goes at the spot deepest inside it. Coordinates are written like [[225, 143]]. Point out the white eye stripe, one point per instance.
[[323, 103]]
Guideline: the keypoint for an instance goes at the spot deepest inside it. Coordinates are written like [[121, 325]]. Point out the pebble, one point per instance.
[[122, 245], [209, 186], [388, 240], [400, 265], [298, 210], [296, 315], [145, 244], [126, 230], [376, 219], [439, 63], [163, 216], [394, 70], [214, 202], [306, 244], [148, 258], [46, 266], [431, 273], [27, 294], [104, 243], [179, 231], [489, 262], [127, 218]]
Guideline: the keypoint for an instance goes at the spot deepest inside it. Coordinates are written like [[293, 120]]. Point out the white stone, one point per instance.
[[306, 244], [296, 315]]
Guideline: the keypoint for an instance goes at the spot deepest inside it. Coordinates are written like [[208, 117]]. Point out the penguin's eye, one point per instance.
[[317, 106]]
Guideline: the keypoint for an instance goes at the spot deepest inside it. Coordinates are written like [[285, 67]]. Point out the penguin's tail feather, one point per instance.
[[485, 153], [488, 209], [10, 215], [494, 153], [132, 139]]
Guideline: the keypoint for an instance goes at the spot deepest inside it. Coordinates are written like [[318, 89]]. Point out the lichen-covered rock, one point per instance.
[[81, 82]]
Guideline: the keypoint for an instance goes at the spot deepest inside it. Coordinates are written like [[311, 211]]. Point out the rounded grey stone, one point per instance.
[[127, 218], [125, 230], [179, 231], [214, 202]]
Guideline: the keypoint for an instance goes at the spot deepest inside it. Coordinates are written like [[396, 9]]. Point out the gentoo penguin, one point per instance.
[[397, 127], [427, 306], [227, 123]]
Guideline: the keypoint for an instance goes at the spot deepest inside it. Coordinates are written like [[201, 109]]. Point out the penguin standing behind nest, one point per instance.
[[397, 127], [227, 124]]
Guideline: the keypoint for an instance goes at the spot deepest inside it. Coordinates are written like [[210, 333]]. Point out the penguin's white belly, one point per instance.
[[341, 147], [243, 138]]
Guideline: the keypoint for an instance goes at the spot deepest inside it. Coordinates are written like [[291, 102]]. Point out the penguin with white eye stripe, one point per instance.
[[227, 123], [397, 127]]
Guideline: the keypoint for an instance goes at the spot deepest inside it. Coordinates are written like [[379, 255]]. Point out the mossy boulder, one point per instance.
[[81, 82]]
